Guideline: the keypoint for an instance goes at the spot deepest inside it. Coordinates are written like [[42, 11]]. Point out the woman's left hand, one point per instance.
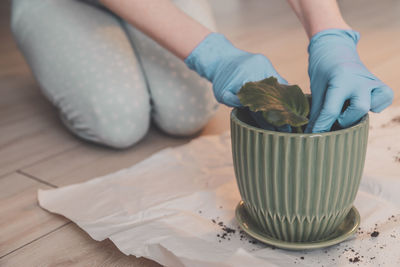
[[336, 75]]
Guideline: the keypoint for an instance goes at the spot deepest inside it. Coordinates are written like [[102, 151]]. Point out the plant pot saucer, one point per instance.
[[346, 229]]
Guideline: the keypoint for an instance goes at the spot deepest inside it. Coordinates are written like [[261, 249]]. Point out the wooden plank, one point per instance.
[[70, 246], [88, 161], [21, 218], [20, 99], [30, 127], [32, 139]]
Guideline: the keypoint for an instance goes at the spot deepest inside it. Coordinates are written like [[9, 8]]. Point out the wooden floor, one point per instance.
[[36, 151]]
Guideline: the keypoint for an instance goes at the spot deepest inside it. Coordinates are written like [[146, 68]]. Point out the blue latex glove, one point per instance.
[[229, 68], [336, 75]]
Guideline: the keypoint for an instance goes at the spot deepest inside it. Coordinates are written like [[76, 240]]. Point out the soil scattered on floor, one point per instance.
[[344, 250], [394, 120], [397, 158], [374, 234], [229, 232], [355, 259]]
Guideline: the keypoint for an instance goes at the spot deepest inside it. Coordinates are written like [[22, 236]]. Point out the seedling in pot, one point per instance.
[[279, 104]]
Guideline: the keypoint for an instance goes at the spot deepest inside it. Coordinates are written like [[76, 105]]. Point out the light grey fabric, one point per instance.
[[84, 60], [182, 101]]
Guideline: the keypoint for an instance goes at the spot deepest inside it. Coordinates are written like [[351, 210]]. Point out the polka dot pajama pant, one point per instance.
[[107, 79]]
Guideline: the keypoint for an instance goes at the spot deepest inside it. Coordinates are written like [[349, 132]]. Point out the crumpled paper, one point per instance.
[[173, 208]]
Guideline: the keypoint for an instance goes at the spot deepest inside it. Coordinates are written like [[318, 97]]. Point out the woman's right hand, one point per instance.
[[228, 68]]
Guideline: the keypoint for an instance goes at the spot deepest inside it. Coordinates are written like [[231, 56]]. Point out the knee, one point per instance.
[[23, 11], [183, 125], [186, 120], [124, 136], [116, 126], [124, 127], [17, 7]]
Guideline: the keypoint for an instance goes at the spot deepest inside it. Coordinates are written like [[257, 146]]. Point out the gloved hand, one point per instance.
[[336, 75], [229, 68]]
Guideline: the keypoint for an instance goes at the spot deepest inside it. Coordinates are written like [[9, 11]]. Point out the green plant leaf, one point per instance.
[[280, 104]]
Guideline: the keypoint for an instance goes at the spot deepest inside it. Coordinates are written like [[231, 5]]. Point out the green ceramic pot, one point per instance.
[[297, 187]]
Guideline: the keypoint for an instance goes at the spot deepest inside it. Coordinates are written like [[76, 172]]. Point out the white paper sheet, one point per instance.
[[162, 208]]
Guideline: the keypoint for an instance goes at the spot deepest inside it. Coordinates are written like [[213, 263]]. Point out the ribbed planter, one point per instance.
[[297, 187]]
